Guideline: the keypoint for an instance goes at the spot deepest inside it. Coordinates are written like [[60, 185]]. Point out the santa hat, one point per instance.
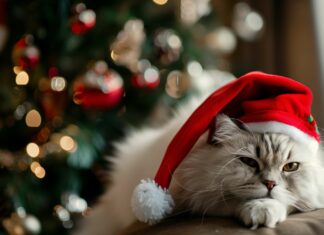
[[263, 102]]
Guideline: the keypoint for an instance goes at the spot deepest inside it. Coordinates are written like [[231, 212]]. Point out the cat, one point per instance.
[[256, 178]]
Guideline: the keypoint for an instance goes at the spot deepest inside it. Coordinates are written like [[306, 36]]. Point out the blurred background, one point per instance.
[[76, 75]]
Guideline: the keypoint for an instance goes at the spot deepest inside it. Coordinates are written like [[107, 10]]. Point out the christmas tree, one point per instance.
[[76, 75]]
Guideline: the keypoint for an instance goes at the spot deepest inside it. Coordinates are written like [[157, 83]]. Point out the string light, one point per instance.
[[17, 69], [151, 75], [194, 68], [67, 143], [22, 78], [21, 212], [80, 7], [34, 166], [62, 213], [100, 67], [113, 56], [77, 98], [160, 2], [32, 150], [33, 118], [40, 172], [74, 203], [58, 83], [32, 224], [174, 41], [20, 112], [247, 23], [187, 11], [177, 83]]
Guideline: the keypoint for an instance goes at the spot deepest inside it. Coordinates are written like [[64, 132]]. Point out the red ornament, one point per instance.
[[100, 88], [53, 102], [148, 77], [83, 20], [25, 54]]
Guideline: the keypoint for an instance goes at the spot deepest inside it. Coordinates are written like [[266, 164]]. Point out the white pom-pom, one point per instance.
[[151, 203]]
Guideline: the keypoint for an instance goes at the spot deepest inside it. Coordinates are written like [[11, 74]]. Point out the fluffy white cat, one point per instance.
[[257, 178]]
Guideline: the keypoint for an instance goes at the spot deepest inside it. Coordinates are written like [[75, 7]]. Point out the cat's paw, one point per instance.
[[267, 212]]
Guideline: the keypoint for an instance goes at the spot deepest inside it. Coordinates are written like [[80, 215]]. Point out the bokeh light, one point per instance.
[[32, 150], [67, 143], [160, 2], [33, 118], [22, 78], [58, 83]]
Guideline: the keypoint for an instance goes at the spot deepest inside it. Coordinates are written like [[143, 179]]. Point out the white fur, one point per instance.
[[138, 157], [212, 180], [266, 212], [150, 203], [278, 127]]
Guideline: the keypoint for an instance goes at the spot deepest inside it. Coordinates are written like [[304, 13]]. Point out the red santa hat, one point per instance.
[[263, 102]]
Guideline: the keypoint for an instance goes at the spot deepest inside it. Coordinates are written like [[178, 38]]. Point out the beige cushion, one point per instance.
[[296, 224]]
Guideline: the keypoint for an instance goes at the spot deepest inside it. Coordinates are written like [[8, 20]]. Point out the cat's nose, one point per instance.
[[269, 184]]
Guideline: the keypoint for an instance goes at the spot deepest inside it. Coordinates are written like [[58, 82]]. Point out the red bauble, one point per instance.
[[99, 89], [83, 19], [149, 78], [25, 54], [53, 102]]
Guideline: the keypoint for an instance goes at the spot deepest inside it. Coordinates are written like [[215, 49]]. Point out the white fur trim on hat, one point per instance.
[[151, 203], [279, 127]]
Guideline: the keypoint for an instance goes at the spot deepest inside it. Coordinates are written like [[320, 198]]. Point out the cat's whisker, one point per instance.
[[187, 189], [219, 172], [212, 186]]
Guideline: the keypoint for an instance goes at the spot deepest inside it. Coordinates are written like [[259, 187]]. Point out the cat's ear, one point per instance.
[[226, 128]]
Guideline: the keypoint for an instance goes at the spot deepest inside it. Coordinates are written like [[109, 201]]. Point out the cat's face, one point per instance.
[[242, 165]]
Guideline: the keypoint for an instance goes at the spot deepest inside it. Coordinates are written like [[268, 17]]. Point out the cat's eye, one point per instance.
[[291, 166], [249, 161]]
